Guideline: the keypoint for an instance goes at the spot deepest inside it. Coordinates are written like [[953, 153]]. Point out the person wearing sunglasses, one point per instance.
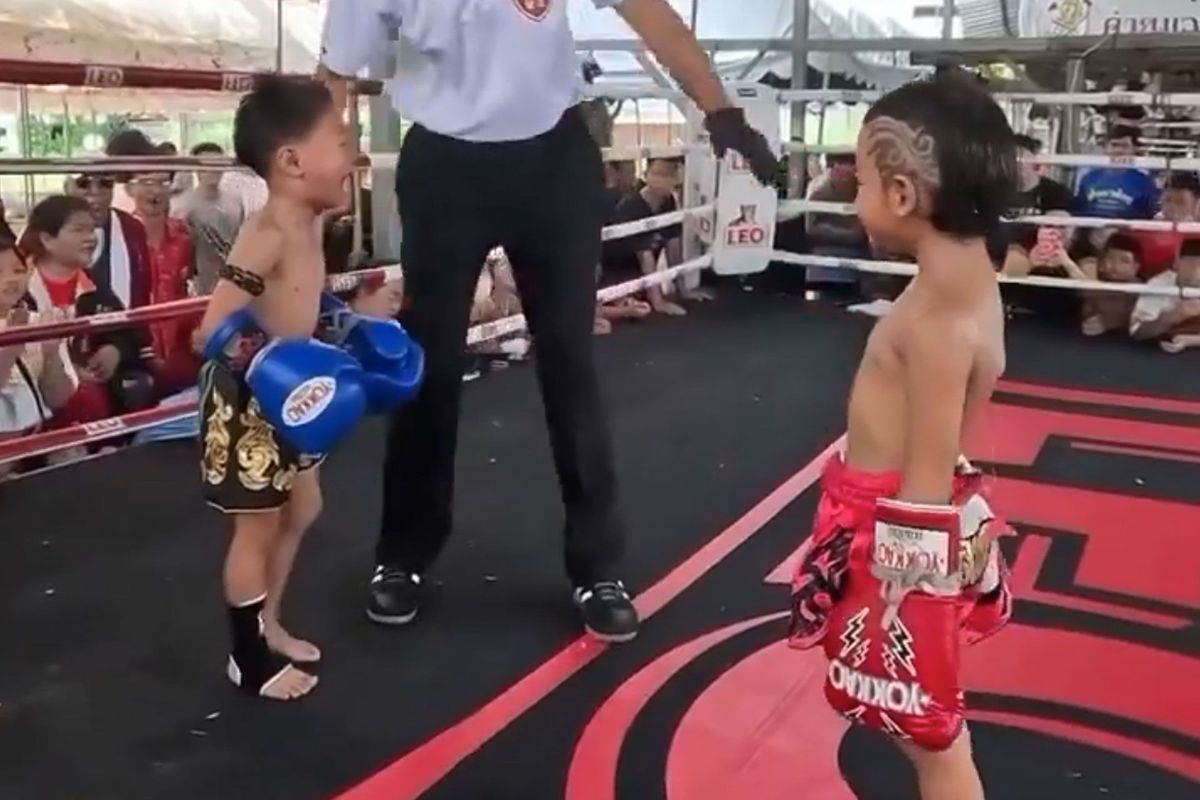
[[120, 262]]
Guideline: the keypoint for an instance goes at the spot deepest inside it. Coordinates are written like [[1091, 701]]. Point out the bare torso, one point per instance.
[[288, 306], [878, 411]]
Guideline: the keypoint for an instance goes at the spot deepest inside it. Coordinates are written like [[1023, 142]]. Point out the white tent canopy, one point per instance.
[[241, 34], [768, 19]]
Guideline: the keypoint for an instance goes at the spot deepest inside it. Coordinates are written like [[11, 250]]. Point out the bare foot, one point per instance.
[[601, 326], [698, 295], [670, 309], [297, 650], [291, 684]]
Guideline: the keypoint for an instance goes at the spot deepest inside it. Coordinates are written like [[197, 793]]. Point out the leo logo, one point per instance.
[[745, 231], [105, 76], [240, 82], [536, 10], [308, 400]]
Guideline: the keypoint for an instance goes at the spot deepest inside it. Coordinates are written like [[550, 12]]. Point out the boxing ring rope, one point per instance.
[[101, 430], [1053, 160], [789, 209], [118, 76], [633, 91], [880, 267], [88, 433]]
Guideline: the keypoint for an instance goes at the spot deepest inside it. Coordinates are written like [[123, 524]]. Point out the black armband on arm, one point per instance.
[[244, 279]]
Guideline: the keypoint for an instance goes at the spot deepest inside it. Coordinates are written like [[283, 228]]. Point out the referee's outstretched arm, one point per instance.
[[674, 44]]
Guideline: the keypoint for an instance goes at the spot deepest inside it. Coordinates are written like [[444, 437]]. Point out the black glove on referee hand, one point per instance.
[[729, 131]]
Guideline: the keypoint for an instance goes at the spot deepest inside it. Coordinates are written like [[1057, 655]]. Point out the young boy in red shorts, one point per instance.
[[902, 563]]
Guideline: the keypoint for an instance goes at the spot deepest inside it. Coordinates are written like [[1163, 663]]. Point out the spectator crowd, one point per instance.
[[1093, 252], [118, 241]]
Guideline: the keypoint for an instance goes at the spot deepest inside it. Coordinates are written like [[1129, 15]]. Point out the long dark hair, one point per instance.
[[49, 216]]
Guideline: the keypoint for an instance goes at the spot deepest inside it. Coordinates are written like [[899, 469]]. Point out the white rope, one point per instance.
[[1045, 98], [624, 229], [908, 270], [789, 209], [1056, 160], [635, 91]]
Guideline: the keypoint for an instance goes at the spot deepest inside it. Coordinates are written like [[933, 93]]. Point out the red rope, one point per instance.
[[91, 432], [114, 76], [175, 309]]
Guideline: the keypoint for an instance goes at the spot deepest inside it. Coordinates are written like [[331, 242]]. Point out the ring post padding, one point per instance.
[[746, 210]]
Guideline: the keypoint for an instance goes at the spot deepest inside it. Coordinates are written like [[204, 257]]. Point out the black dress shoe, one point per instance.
[[395, 596], [608, 613]]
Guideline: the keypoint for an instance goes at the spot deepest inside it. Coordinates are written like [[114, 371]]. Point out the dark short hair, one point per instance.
[[130, 142], [1125, 132], [1028, 144], [1190, 248], [1184, 182], [973, 146], [674, 163], [279, 111], [49, 216], [208, 149], [1124, 242]]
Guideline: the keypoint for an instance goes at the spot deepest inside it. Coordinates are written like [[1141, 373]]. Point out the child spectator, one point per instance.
[[1119, 262], [35, 378], [1173, 321], [376, 297], [1179, 204]]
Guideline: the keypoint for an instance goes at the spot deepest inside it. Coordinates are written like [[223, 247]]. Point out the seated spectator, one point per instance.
[[375, 297], [1112, 192], [1037, 195], [113, 377], [1119, 262], [1179, 204], [120, 263], [213, 215], [496, 297], [634, 256], [171, 266], [35, 378], [1172, 321], [619, 180], [836, 235]]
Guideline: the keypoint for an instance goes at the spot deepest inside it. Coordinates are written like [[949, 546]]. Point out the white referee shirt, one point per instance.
[[479, 70]]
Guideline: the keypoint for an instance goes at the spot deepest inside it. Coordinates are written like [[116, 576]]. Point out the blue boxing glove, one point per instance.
[[235, 341], [393, 364], [310, 392]]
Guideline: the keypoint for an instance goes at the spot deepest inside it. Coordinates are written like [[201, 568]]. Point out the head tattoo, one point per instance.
[[901, 150]]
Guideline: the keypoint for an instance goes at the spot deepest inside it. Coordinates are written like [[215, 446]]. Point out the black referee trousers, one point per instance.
[[542, 199]]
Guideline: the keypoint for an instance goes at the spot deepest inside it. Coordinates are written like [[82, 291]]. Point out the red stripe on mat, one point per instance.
[[421, 769], [1144, 452], [1069, 395]]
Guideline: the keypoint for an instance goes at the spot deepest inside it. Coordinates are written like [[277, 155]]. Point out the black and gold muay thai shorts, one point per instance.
[[244, 465]]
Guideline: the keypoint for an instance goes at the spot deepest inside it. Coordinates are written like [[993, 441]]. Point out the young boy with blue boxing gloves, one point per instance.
[[289, 371]]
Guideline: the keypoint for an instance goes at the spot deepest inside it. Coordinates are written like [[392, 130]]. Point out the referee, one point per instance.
[[499, 154]]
